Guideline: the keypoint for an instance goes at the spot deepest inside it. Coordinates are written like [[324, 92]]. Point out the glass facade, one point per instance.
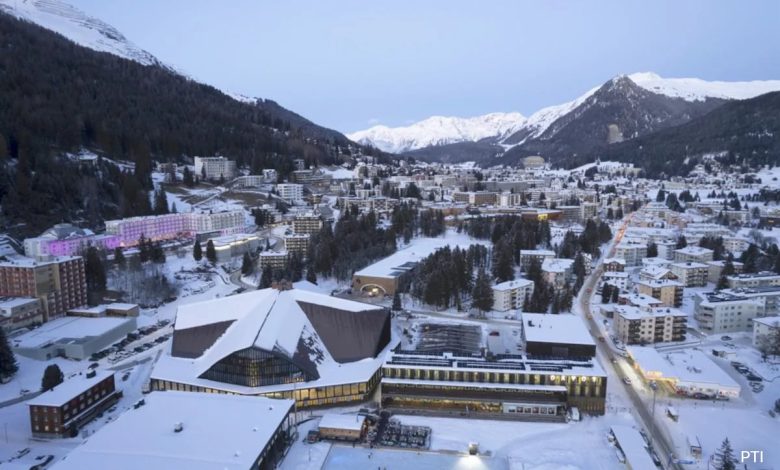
[[253, 367]]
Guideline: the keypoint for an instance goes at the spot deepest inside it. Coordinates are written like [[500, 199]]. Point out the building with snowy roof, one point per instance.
[[466, 370], [72, 337], [277, 343], [689, 371], [63, 410], [510, 295], [563, 335], [196, 431]]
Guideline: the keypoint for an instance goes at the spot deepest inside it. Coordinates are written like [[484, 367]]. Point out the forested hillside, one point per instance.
[[58, 97]]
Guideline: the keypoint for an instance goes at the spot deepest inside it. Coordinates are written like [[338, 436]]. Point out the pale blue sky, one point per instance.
[[349, 64]]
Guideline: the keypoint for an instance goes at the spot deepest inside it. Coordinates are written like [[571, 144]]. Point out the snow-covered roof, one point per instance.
[[405, 259], [768, 321], [694, 250], [562, 328], [275, 321], [68, 328], [557, 265], [686, 366], [633, 447], [352, 422], [69, 389], [513, 284], [146, 438]]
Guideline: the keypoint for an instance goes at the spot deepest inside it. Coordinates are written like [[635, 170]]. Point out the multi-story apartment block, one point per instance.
[[763, 328], [715, 268], [570, 213], [59, 284], [646, 326], [557, 270], [476, 198], [667, 291], [526, 256], [507, 199], [290, 192], [721, 312], [171, 226], [67, 240], [309, 224], [274, 259], [511, 295], [691, 274], [617, 279], [631, 252], [666, 249], [762, 279], [213, 168], [695, 254], [62, 411], [297, 244]]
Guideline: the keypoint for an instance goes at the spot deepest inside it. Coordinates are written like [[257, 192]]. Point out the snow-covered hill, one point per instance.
[[77, 26], [440, 130], [695, 89], [512, 129]]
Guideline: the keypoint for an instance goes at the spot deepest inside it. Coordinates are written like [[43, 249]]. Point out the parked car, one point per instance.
[[726, 338]]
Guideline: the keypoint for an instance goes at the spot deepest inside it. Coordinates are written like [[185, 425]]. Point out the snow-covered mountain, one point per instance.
[[695, 89], [510, 130], [440, 130], [77, 26]]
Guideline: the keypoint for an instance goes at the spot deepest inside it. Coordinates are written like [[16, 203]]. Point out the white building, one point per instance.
[[695, 254], [689, 371], [618, 279], [177, 430], [290, 192], [721, 312], [691, 274], [526, 256], [557, 270], [762, 279], [631, 252], [215, 168], [763, 327], [635, 325], [510, 295]]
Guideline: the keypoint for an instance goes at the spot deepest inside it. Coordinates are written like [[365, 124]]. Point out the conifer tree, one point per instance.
[[119, 257], [52, 377], [197, 251], [247, 265], [482, 294], [396, 302], [724, 457], [211, 252]]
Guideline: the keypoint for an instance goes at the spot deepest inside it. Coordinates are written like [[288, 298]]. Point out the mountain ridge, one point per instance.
[[536, 126]]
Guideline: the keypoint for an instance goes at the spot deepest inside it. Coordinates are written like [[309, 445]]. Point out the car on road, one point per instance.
[[626, 381], [726, 338], [601, 339]]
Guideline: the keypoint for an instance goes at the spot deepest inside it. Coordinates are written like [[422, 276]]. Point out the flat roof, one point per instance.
[[352, 422], [218, 432], [688, 365], [513, 284], [562, 328], [768, 321], [634, 447], [402, 260], [68, 389], [68, 328]]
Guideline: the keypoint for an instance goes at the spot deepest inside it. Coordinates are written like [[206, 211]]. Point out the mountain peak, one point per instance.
[[440, 130], [696, 89]]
